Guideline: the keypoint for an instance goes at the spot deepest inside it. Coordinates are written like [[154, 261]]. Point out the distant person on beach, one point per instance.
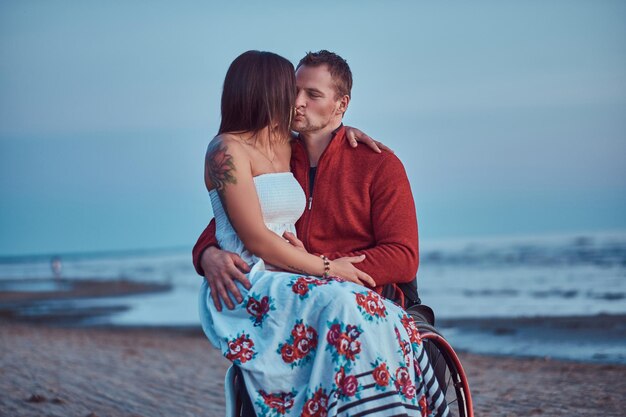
[[56, 266], [308, 335]]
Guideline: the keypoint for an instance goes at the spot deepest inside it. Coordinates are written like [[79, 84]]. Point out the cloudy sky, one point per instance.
[[509, 116]]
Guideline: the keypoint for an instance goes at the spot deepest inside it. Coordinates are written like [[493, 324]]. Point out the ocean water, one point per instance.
[[575, 275], [522, 277]]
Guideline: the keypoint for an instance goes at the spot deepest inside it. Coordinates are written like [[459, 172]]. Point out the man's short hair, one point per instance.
[[337, 66]]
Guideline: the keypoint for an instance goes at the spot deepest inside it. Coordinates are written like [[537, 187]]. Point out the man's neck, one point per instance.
[[316, 142]]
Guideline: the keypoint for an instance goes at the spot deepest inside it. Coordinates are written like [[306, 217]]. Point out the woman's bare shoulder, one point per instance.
[[223, 155], [227, 141]]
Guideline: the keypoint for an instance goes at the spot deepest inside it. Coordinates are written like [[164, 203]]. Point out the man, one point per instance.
[[358, 202]]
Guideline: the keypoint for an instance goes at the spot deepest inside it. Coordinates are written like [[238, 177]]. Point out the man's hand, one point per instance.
[[355, 136], [291, 238], [221, 269]]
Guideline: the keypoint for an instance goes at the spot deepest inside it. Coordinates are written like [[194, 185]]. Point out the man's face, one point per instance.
[[317, 104]]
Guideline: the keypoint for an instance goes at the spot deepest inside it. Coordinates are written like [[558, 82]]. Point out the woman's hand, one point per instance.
[[344, 268], [295, 242], [355, 136]]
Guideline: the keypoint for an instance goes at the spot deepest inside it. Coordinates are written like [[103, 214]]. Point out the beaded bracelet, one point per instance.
[[326, 266]]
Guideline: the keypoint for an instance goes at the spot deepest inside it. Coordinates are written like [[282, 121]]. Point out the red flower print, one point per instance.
[[353, 350], [349, 386], [300, 287], [361, 299], [404, 384], [311, 334], [288, 353], [343, 344], [280, 402], [406, 350], [253, 307], [411, 329], [314, 281], [398, 337], [299, 330], [371, 304], [352, 331], [246, 355], [346, 385], [258, 309], [241, 349], [265, 304], [381, 375], [305, 339], [381, 306], [303, 347], [316, 406], [302, 341], [405, 347], [409, 391], [312, 408], [339, 376], [332, 337], [424, 406], [234, 350], [402, 376], [320, 395], [417, 369]]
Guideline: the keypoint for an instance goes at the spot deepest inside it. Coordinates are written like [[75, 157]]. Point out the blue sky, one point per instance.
[[508, 116]]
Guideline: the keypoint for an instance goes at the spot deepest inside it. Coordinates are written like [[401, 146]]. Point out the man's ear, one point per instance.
[[343, 104]]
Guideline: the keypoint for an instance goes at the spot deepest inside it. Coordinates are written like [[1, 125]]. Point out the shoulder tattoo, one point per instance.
[[220, 165]]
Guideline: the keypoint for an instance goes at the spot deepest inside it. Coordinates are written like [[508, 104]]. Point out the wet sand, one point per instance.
[[56, 371], [597, 338], [29, 290], [54, 300]]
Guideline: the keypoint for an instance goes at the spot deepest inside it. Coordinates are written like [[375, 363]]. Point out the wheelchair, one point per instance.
[[444, 362], [442, 358]]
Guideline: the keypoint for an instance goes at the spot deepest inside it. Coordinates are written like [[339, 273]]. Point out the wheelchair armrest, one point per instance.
[[422, 313]]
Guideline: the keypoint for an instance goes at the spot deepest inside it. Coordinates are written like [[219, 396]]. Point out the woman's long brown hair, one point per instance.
[[259, 91]]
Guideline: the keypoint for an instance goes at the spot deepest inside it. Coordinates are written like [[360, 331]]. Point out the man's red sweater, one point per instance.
[[361, 204]]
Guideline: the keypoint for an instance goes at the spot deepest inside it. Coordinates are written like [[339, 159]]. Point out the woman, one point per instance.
[[312, 341]]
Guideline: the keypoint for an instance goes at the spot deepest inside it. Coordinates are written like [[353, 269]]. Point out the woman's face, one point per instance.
[[317, 104]]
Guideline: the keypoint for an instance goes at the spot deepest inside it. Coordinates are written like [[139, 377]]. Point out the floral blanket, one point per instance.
[[315, 347]]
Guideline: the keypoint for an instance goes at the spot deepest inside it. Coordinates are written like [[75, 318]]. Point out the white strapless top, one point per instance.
[[282, 203]]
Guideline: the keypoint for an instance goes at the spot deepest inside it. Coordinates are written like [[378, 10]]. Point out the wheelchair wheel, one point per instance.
[[448, 371]]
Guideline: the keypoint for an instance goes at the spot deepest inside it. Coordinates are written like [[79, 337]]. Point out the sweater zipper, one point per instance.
[[309, 199], [308, 217], [317, 181]]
